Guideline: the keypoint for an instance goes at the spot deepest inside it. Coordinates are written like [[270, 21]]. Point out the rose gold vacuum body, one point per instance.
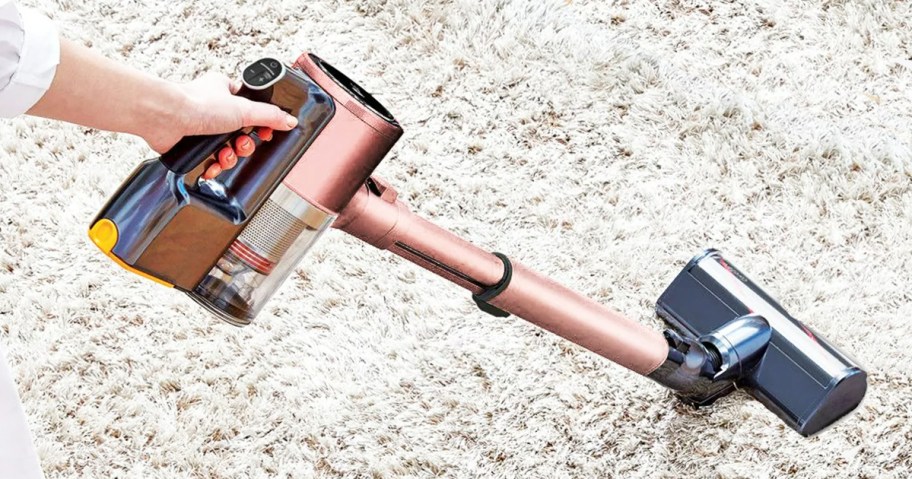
[[348, 149]]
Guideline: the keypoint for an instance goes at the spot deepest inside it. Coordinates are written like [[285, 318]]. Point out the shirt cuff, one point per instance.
[[38, 61]]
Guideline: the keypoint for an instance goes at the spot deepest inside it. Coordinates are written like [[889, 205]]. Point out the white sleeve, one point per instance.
[[18, 459], [29, 54]]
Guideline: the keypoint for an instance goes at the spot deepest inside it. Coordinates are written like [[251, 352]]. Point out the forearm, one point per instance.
[[91, 90]]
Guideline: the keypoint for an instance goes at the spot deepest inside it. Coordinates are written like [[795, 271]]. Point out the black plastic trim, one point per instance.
[[490, 293]]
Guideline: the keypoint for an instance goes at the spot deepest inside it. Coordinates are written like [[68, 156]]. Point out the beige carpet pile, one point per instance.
[[603, 143]]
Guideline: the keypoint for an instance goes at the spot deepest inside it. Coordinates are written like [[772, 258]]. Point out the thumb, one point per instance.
[[265, 114]]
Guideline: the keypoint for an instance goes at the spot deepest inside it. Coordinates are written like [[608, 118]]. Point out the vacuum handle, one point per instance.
[[192, 150]]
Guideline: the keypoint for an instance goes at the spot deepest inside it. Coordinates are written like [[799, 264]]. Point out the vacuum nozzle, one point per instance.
[[728, 333]]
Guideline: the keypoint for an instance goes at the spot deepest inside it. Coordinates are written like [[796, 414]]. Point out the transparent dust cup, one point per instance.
[[262, 256]]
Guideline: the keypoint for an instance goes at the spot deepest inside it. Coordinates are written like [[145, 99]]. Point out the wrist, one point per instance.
[[161, 111]]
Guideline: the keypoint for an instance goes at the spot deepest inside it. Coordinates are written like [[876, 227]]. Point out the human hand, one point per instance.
[[207, 106], [91, 90]]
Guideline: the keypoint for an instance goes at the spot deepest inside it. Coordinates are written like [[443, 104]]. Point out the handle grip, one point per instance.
[[192, 150]]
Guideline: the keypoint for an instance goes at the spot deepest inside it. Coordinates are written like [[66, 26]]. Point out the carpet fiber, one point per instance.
[[601, 143]]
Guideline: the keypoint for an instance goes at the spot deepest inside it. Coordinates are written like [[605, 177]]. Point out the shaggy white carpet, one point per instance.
[[602, 143]]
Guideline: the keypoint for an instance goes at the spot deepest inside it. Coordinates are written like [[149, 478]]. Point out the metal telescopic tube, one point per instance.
[[376, 216]]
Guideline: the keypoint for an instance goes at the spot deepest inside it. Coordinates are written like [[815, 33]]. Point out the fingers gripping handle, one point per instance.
[[192, 150], [259, 78]]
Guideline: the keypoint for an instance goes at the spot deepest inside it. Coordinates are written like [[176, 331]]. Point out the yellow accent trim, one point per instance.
[[104, 234]]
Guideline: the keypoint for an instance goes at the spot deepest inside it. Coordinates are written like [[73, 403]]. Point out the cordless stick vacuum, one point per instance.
[[226, 218]]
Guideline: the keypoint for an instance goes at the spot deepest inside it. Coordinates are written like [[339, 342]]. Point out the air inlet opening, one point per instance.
[[715, 357]]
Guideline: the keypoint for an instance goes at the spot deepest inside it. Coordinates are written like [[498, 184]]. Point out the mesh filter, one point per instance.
[[268, 236]]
